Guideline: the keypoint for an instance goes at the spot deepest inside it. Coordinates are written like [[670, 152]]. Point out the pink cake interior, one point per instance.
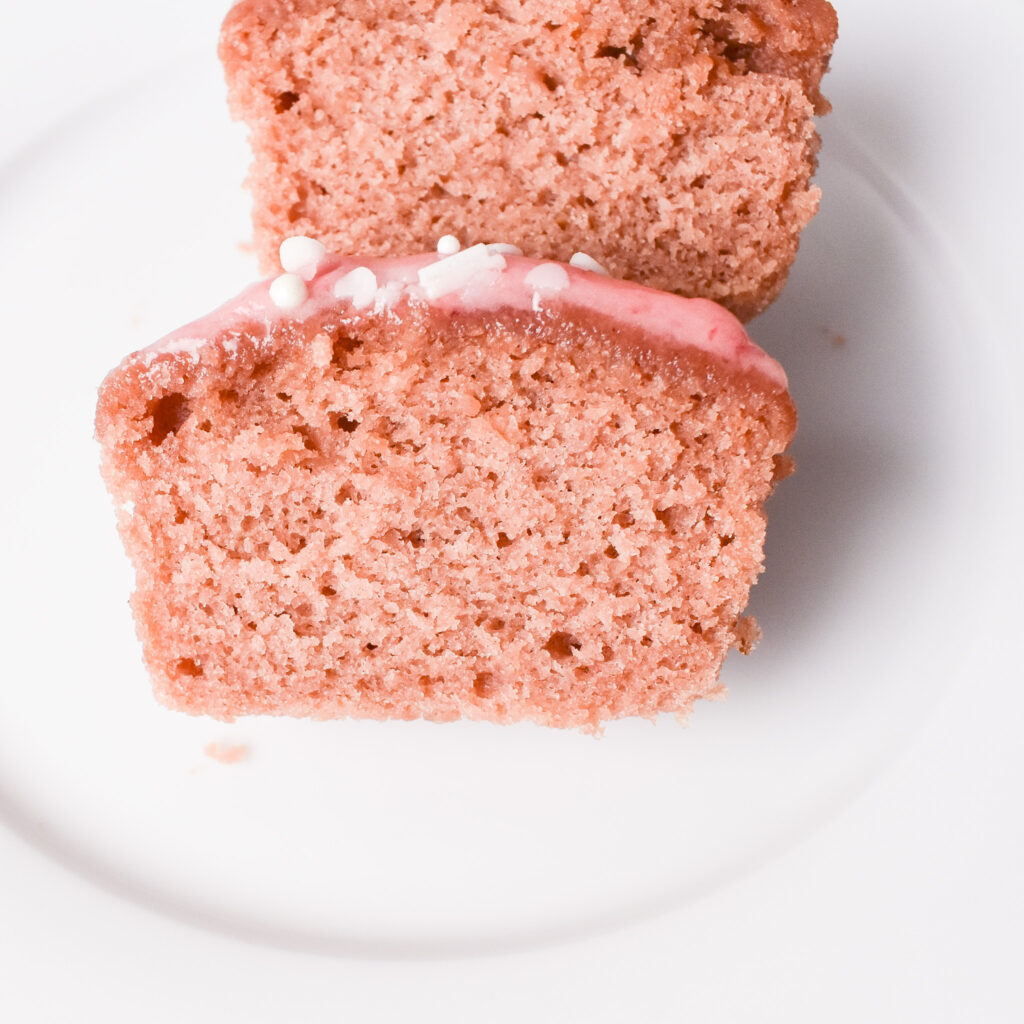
[[493, 503], [673, 142]]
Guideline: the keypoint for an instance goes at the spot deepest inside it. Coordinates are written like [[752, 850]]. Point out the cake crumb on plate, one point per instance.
[[226, 753]]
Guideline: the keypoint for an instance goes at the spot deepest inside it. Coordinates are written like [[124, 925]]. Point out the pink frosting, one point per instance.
[[675, 322]]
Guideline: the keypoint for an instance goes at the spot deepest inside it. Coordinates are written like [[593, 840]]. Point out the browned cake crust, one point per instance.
[[674, 142], [496, 516]]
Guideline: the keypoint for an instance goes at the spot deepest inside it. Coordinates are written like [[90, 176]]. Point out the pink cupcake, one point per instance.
[[473, 485]]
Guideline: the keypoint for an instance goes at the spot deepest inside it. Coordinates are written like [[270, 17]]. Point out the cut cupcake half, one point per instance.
[[675, 142], [463, 486]]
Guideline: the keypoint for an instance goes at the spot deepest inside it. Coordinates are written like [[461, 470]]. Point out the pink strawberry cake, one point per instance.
[[675, 142], [465, 484]]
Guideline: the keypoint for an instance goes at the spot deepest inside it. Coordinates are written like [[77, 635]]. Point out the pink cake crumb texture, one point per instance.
[[449, 509], [674, 142]]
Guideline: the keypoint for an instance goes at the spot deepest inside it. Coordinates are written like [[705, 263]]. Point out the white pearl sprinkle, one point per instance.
[[288, 291], [505, 248], [300, 255], [359, 285], [448, 245], [581, 261], [546, 279]]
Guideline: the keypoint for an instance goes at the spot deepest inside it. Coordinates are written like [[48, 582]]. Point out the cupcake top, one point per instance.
[[483, 278]]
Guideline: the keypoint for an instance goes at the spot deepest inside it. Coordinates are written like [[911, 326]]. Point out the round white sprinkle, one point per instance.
[[359, 285], [300, 255], [505, 248], [448, 245], [546, 279], [288, 291], [581, 261]]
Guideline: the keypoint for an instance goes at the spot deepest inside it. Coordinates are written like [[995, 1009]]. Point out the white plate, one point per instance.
[[889, 566]]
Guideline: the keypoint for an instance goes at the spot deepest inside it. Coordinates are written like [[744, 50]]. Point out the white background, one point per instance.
[[905, 904]]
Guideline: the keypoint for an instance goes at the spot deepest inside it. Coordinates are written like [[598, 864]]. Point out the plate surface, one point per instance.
[[421, 844]]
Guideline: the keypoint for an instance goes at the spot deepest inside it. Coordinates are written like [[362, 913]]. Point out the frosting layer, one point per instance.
[[485, 279]]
